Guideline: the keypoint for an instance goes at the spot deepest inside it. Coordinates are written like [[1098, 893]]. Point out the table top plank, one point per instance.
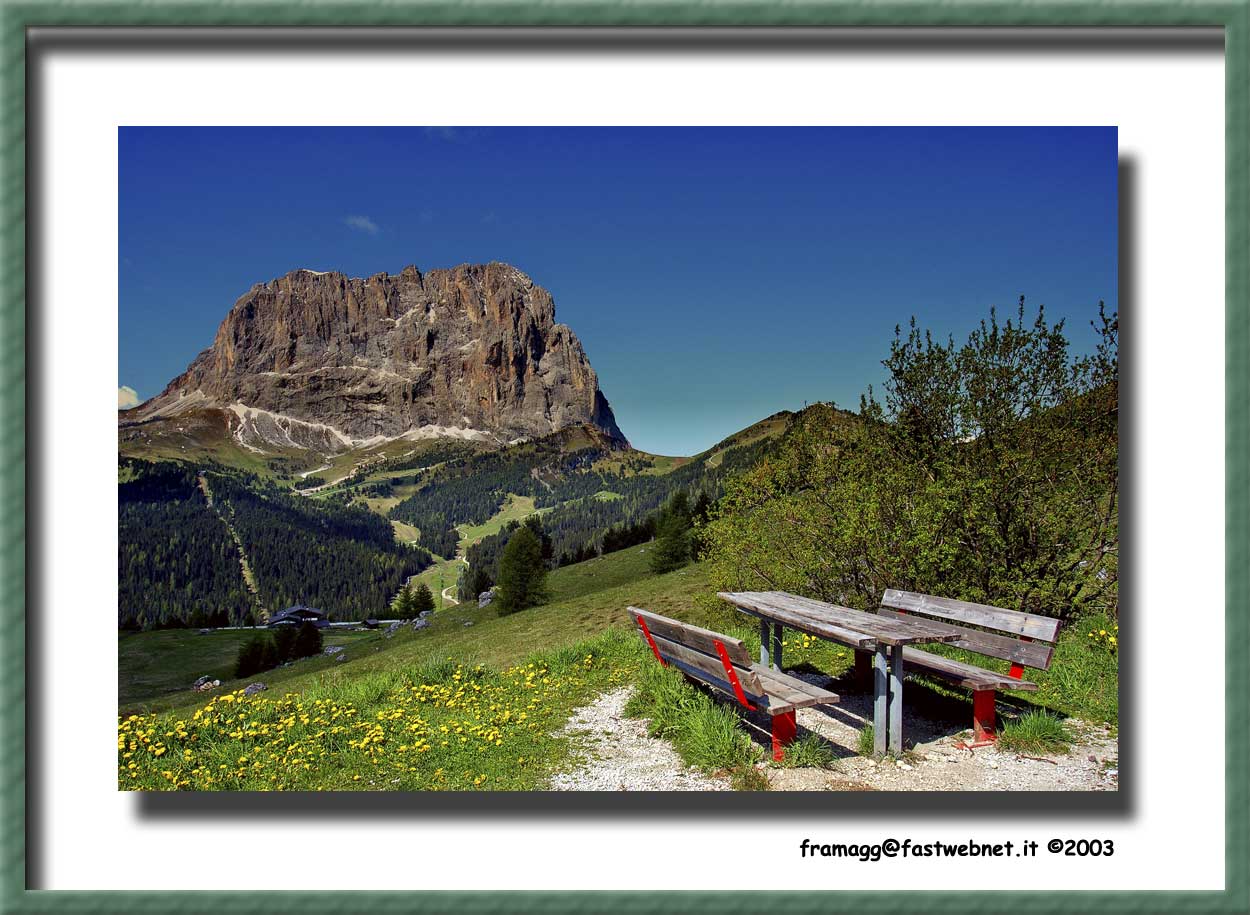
[[889, 630], [749, 603], [856, 628]]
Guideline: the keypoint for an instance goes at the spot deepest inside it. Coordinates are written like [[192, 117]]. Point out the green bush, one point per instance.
[[988, 472], [284, 642], [254, 656], [307, 641]]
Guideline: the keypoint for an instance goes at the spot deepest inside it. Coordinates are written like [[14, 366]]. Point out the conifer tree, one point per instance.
[[522, 572], [672, 538], [402, 605], [422, 599]]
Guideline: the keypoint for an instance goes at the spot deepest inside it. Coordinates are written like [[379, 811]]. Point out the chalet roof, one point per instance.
[[300, 611]]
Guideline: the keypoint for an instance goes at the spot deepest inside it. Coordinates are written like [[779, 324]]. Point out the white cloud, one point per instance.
[[362, 224], [127, 398]]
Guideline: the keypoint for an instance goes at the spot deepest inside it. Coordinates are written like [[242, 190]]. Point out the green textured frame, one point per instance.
[[1233, 16]]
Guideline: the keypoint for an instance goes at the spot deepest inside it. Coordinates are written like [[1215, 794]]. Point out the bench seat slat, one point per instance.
[[792, 690], [963, 674], [1030, 654]]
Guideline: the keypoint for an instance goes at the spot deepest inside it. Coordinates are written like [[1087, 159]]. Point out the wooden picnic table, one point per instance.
[[883, 636]]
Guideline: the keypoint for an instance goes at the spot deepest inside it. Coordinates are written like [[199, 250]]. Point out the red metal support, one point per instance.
[[983, 717], [650, 641], [785, 728], [731, 674], [1017, 670]]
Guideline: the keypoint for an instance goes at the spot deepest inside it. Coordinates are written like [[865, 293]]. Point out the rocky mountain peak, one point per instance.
[[321, 360]]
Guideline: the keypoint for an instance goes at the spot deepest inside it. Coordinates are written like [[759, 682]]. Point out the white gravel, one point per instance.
[[614, 753]]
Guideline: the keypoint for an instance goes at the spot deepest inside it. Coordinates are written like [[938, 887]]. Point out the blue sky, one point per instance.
[[714, 275]]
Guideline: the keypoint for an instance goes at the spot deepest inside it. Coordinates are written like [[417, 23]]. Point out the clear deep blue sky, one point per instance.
[[714, 276]]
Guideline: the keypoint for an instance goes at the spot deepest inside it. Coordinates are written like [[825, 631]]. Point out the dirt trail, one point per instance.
[[459, 557]]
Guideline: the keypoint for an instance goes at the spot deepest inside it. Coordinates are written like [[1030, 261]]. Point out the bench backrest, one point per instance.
[[1024, 639], [694, 651]]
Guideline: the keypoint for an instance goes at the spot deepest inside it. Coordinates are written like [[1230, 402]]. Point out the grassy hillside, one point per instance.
[[515, 508], [585, 599], [168, 661]]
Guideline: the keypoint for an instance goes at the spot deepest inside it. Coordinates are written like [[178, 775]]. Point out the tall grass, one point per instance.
[[705, 734], [865, 743]]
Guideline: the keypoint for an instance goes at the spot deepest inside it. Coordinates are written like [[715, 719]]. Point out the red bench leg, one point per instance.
[[784, 730], [983, 717]]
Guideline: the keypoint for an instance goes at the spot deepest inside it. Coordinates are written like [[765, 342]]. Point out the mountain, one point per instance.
[[328, 363]]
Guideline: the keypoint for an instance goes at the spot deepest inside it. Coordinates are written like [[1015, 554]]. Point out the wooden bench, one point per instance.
[[722, 662], [1024, 639]]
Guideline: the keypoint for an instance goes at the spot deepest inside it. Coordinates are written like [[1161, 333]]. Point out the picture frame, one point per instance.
[[646, 22]]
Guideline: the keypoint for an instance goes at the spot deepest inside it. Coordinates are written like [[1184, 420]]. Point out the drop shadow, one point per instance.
[[1131, 381], [798, 806]]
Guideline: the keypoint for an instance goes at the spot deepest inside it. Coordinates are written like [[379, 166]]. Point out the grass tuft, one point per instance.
[[867, 736], [1035, 732], [748, 778], [808, 752]]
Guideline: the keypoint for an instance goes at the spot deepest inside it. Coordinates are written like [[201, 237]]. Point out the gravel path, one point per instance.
[[615, 754]]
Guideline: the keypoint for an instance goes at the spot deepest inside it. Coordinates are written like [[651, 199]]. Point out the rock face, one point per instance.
[[328, 362]]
